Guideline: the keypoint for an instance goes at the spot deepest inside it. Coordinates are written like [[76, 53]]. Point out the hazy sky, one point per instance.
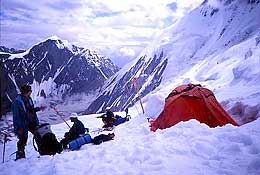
[[118, 29]]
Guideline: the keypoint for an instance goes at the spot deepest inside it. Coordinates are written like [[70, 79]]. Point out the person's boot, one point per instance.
[[64, 143], [64, 146], [20, 155], [20, 148]]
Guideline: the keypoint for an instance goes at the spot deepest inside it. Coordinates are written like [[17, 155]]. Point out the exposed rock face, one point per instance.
[[53, 68]]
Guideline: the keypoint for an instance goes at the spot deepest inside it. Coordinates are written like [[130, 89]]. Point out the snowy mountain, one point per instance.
[[216, 45], [119, 92], [54, 68], [12, 50]]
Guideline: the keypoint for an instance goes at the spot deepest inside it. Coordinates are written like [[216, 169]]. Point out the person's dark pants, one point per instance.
[[22, 141], [68, 137]]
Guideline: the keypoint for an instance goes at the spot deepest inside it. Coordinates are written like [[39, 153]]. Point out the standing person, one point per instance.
[[24, 118]]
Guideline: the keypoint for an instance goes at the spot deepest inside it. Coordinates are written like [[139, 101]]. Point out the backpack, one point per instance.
[[46, 140]]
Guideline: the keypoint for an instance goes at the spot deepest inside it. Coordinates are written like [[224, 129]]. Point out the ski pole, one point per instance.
[[60, 115], [5, 138], [128, 92]]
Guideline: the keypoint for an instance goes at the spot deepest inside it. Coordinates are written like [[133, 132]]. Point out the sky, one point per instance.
[[113, 28]]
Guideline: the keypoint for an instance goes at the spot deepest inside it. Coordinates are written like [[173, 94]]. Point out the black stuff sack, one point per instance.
[[103, 138]]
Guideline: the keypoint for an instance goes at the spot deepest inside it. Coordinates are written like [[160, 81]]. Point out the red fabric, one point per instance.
[[135, 83], [191, 102]]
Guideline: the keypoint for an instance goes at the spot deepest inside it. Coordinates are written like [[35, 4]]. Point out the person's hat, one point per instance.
[[108, 108], [73, 116], [26, 88]]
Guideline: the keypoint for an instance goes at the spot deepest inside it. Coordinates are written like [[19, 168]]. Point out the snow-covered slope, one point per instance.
[[187, 148], [210, 38], [216, 45], [55, 68]]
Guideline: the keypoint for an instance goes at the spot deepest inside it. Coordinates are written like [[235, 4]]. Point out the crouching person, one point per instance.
[[75, 131], [108, 118]]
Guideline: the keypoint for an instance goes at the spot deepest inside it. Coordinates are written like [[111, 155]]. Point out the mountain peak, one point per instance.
[[10, 50], [56, 68], [54, 37], [61, 44]]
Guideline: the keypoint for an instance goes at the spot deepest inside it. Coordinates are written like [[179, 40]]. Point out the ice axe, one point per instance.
[[5, 139], [60, 115]]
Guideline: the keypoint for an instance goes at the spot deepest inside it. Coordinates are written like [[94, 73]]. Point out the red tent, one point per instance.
[[191, 102]]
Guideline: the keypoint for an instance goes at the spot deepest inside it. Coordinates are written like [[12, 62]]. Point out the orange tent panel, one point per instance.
[[191, 102]]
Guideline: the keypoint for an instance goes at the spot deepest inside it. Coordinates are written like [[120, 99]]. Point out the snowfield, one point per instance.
[[186, 148]]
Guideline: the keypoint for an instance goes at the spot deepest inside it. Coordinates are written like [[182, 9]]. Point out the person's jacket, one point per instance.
[[23, 113], [110, 114], [31, 110], [78, 128]]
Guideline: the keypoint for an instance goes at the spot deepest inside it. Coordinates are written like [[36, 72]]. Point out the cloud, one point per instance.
[[127, 51], [64, 5], [172, 6], [185, 6], [113, 28], [17, 6]]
